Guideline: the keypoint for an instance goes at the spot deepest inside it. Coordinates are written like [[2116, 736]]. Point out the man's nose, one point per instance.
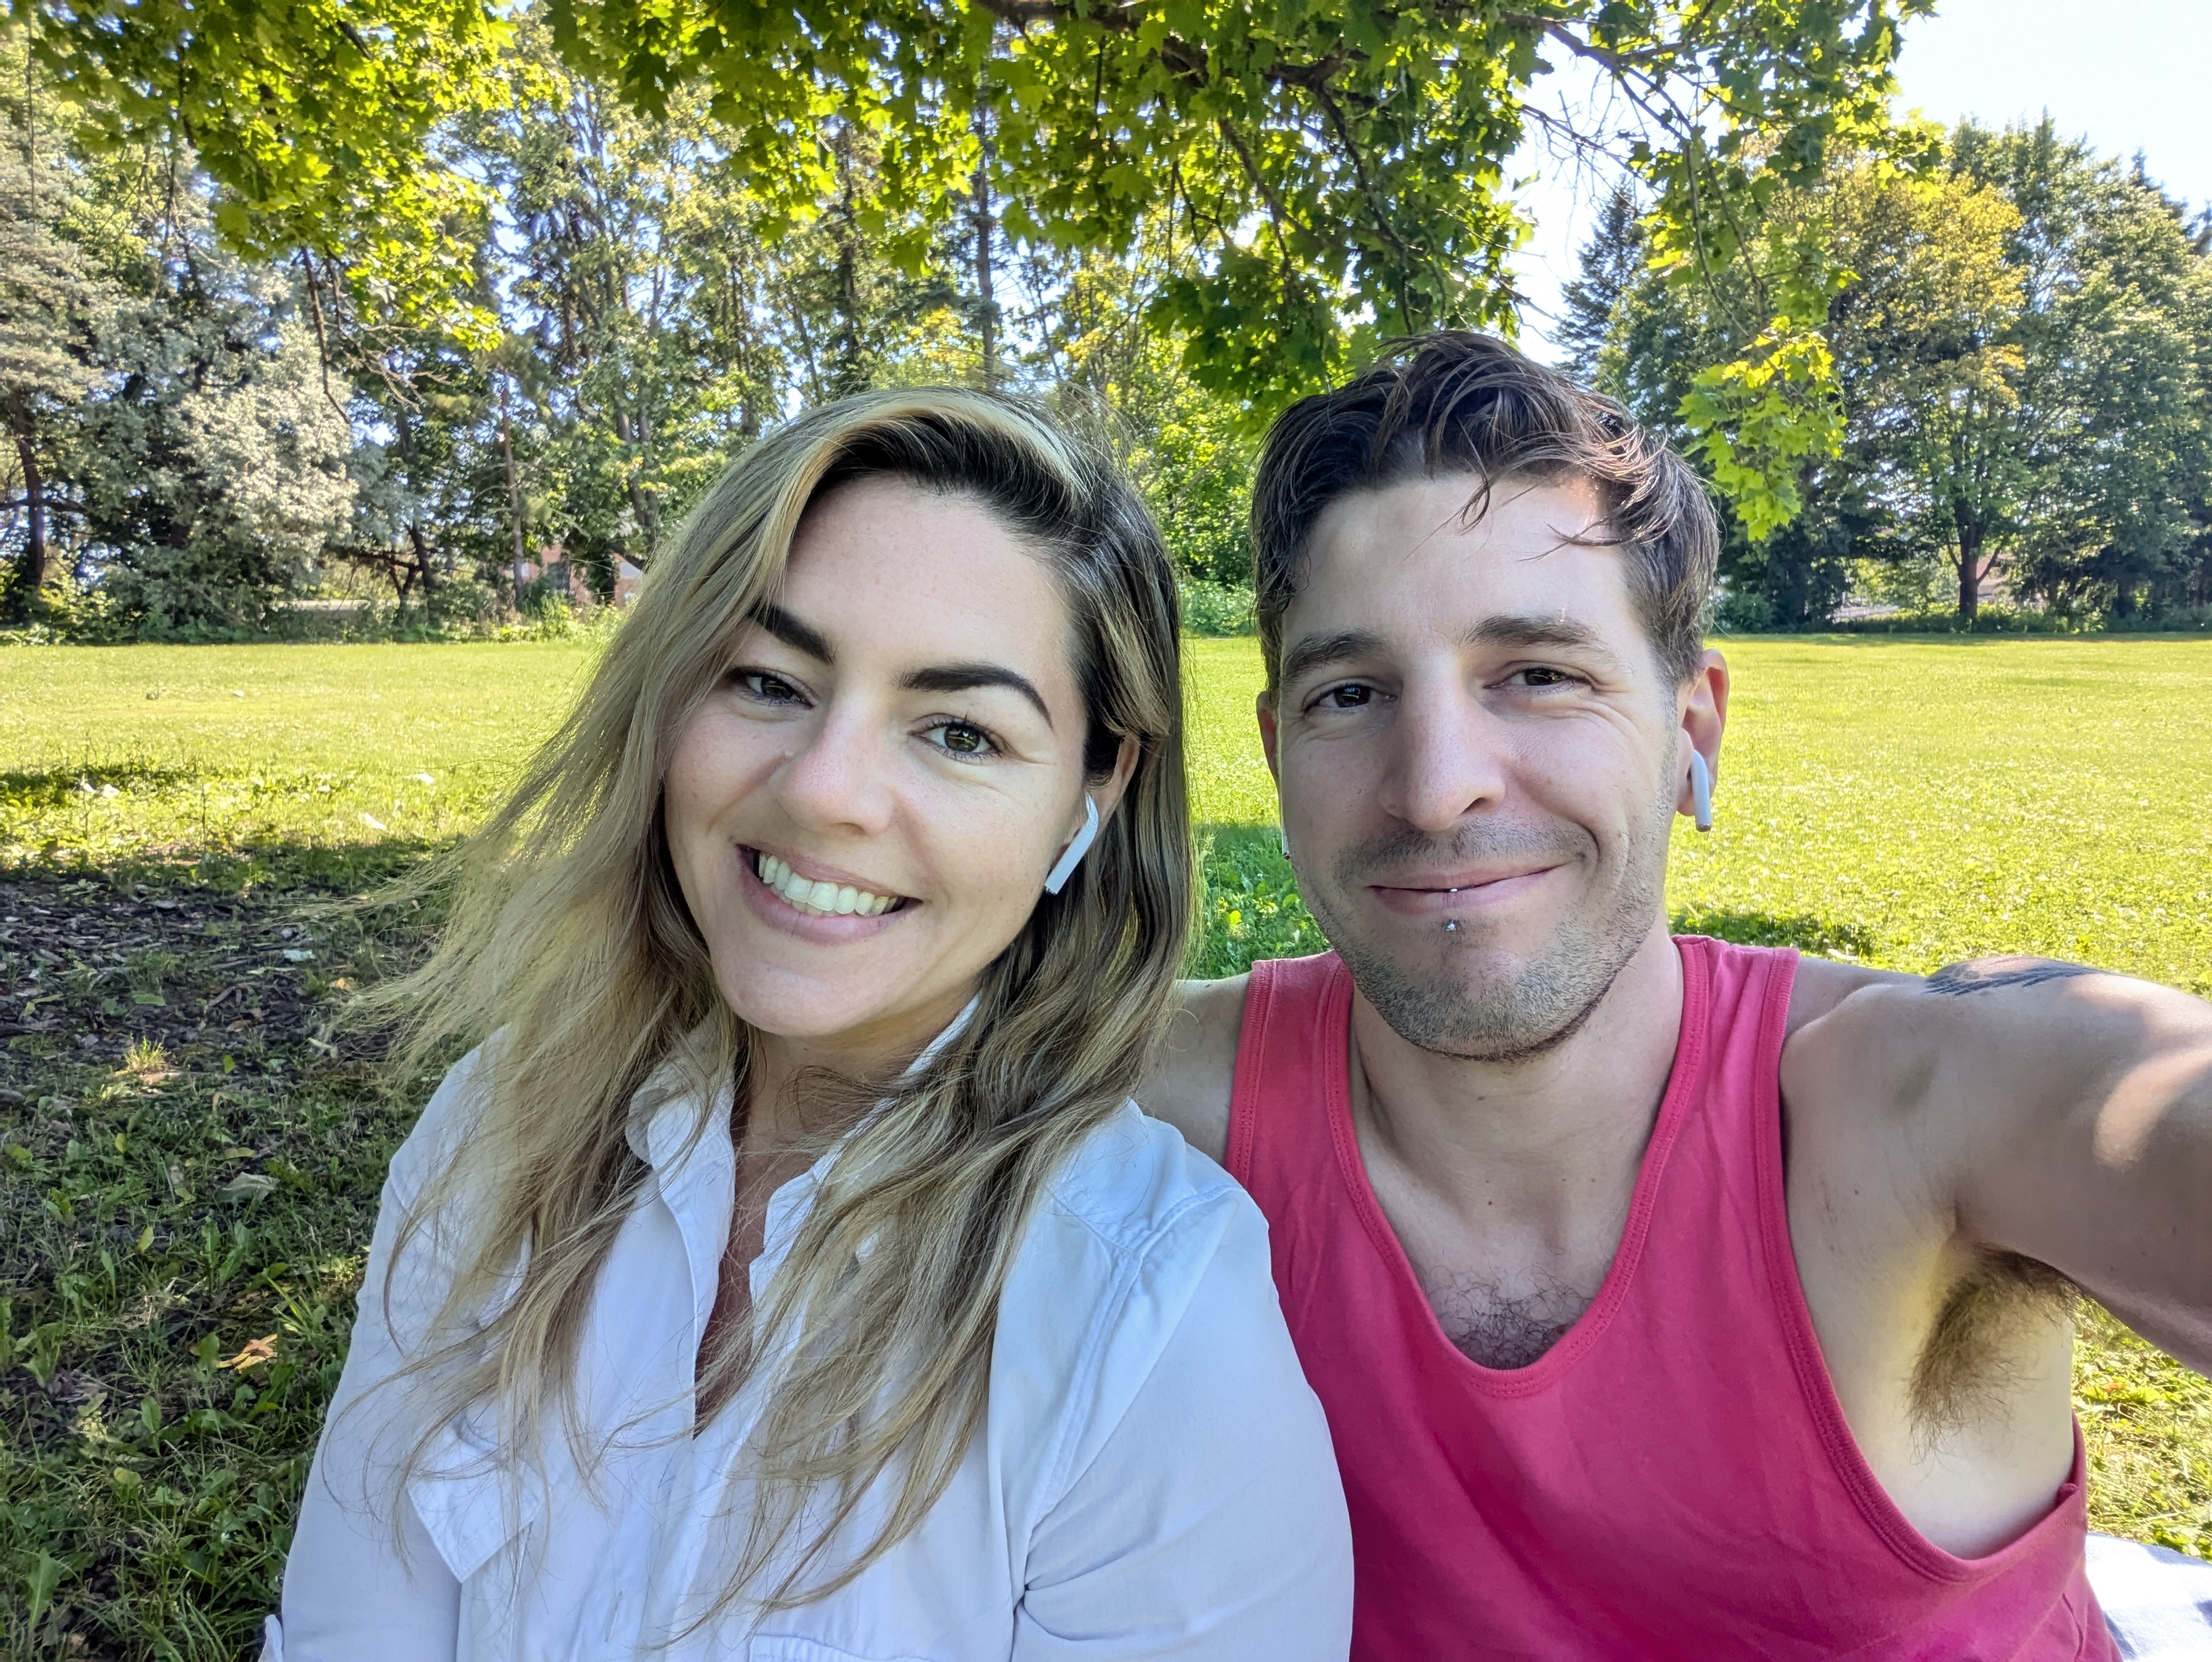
[[1447, 757], [839, 777]]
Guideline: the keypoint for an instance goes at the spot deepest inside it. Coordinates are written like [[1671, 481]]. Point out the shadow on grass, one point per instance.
[[1823, 937], [189, 1158], [57, 787], [310, 869]]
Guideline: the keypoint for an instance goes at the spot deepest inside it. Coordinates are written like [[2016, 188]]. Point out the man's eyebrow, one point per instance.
[[1534, 630], [958, 678], [798, 636], [1313, 652]]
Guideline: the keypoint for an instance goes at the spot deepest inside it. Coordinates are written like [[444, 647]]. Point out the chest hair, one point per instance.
[[1504, 1327]]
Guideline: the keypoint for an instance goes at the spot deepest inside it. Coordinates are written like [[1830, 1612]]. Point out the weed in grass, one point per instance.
[[189, 1164]]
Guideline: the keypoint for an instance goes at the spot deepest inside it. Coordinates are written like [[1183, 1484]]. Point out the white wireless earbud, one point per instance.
[[1077, 846], [1701, 791]]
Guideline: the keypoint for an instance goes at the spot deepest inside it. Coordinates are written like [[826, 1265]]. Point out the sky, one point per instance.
[[2128, 74]]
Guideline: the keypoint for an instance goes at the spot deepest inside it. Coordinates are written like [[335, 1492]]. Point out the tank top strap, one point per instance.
[[1292, 1058], [1745, 994]]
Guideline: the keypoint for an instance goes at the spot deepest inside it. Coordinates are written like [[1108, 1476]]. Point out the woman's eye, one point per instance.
[[963, 738], [769, 688]]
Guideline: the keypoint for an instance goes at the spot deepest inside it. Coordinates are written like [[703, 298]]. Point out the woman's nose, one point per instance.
[[839, 778]]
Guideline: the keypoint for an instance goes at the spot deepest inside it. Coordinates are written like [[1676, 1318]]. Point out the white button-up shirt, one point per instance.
[[1152, 1479]]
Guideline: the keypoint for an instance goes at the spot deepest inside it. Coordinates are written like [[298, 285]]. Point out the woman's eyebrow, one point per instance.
[[958, 678], [798, 636]]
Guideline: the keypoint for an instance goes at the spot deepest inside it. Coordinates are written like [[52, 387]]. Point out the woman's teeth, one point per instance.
[[825, 898]]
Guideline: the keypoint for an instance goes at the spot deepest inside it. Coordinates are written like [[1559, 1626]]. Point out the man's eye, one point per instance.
[[1543, 675], [1350, 695], [963, 738]]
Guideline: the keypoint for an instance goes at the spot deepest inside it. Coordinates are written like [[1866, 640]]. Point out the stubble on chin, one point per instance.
[[1455, 993]]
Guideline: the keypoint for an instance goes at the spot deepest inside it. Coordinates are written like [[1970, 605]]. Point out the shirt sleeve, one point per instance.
[[1211, 1526], [352, 1592]]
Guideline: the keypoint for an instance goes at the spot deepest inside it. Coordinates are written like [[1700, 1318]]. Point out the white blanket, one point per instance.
[[2157, 1601]]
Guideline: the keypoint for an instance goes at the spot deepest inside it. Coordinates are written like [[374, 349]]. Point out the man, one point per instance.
[[1667, 1298]]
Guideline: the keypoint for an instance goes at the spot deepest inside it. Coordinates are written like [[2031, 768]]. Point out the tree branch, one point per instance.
[[1389, 232], [1278, 215]]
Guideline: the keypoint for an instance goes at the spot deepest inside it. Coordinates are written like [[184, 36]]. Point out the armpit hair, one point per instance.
[[1971, 1357]]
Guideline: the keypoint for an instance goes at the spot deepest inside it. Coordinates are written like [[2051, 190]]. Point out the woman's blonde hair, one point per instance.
[[570, 940]]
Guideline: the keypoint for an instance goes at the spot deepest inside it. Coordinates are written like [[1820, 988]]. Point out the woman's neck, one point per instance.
[[780, 1110]]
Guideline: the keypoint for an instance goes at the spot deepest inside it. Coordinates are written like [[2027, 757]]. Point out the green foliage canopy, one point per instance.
[[1337, 168], [316, 117]]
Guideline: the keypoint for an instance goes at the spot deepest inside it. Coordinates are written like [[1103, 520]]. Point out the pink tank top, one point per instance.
[[1675, 1478]]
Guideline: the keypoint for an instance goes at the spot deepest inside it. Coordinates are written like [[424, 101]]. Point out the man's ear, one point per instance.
[[1264, 709], [1703, 717]]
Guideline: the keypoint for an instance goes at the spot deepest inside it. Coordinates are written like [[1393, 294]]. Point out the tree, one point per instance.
[[1613, 262], [1336, 170], [1931, 368], [2020, 379], [52, 308], [2113, 426], [214, 477], [1186, 450], [210, 471], [316, 120]]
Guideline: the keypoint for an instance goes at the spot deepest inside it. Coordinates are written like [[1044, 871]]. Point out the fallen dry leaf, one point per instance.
[[256, 1351]]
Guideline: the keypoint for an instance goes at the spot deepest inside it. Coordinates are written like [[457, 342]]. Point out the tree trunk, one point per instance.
[[422, 559], [513, 494], [849, 370], [1970, 574], [987, 304], [31, 570]]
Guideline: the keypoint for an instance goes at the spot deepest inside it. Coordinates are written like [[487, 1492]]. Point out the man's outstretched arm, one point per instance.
[[2068, 1113]]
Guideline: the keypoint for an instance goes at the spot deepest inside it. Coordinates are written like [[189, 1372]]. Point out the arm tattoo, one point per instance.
[[1989, 975]]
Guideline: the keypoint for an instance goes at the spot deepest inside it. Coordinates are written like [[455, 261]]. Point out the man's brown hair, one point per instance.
[[1454, 402]]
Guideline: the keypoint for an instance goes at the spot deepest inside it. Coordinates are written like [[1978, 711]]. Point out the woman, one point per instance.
[[788, 1275]]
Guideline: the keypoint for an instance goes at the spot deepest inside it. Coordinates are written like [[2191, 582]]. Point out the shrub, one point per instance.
[[1216, 608]]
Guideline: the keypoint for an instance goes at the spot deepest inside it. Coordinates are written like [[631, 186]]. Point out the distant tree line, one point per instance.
[[2022, 342]]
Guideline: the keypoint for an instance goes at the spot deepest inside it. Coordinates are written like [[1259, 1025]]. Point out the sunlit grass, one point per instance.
[[248, 765]]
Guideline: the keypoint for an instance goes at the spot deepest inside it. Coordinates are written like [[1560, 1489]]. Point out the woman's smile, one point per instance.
[[788, 897], [824, 892]]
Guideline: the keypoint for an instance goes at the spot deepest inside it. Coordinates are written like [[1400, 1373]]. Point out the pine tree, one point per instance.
[[1613, 263]]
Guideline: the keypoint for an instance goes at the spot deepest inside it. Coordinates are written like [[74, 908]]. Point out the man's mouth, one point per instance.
[[1424, 894], [1462, 883], [818, 896]]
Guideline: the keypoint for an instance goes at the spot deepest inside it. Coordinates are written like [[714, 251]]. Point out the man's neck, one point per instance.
[[1511, 1181]]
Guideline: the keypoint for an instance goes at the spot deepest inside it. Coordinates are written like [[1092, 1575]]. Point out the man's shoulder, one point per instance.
[[1852, 1031], [1191, 1083], [1823, 985]]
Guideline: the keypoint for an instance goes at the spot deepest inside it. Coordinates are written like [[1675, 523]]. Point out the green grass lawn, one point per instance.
[[189, 1160]]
